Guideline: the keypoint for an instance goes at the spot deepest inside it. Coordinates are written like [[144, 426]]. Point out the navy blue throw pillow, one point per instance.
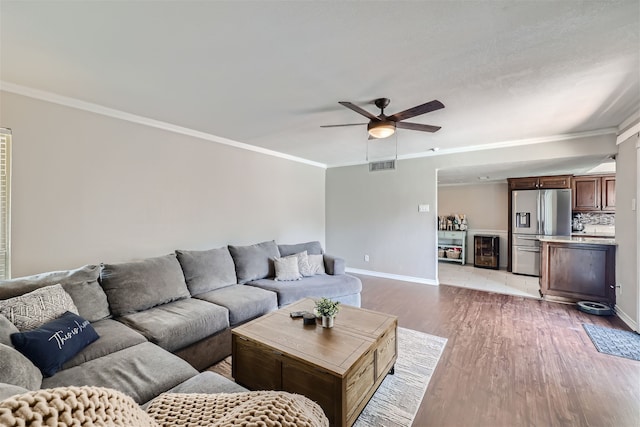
[[55, 342]]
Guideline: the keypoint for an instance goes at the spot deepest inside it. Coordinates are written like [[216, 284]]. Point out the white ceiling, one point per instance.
[[270, 73]]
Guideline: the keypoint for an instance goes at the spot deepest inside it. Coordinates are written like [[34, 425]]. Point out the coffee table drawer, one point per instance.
[[385, 352], [360, 381]]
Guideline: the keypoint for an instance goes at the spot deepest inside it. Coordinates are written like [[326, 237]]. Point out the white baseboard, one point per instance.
[[420, 280], [626, 319]]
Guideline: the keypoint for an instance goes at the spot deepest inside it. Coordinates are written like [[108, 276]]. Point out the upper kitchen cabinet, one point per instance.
[[608, 198], [594, 193], [535, 182]]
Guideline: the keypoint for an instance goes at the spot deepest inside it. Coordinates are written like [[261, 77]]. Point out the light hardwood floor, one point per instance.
[[511, 361]]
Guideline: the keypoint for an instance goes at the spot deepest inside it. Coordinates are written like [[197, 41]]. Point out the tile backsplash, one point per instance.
[[595, 218], [596, 222]]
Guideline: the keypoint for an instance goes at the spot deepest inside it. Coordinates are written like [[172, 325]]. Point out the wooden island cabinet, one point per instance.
[[578, 269]]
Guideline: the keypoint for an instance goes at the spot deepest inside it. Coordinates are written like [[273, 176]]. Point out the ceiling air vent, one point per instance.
[[382, 166]]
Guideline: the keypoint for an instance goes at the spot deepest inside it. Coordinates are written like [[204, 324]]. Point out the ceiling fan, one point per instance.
[[382, 126]]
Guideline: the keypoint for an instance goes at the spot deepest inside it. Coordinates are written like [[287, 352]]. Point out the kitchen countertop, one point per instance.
[[593, 234], [580, 239]]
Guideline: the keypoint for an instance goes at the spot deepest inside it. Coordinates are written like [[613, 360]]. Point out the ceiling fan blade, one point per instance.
[[416, 111], [359, 110], [337, 126], [417, 126]]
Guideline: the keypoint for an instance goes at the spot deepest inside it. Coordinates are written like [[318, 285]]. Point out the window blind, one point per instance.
[[5, 203]]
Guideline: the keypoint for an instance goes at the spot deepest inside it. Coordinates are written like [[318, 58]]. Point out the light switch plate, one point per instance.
[[423, 208]]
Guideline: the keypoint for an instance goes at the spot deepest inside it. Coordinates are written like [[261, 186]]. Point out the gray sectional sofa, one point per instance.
[[162, 320]]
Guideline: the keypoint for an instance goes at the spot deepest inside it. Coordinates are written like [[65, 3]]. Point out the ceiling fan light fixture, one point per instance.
[[381, 129]]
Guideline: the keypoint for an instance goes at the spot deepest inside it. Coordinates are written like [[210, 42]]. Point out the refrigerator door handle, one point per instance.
[[542, 212], [539, 211]]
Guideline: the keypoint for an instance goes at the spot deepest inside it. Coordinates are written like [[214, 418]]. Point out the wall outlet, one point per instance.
[[366, 258]]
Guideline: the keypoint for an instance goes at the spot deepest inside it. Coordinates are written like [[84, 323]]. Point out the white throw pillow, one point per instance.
[[316, 262], [287, 268], [34, 309], [303, 264]]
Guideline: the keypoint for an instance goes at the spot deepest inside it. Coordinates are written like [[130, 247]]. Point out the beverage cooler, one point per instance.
[[486, 253]]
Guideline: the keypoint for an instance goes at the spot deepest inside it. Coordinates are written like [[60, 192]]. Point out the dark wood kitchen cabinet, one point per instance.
[[561, 181], [594, 193], [576, 271], [608, 195], [540, 182]]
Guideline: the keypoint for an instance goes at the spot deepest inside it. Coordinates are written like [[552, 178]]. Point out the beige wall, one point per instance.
[[486, 208], [89, 188], [377, 213], [484, 204], [627, 229]]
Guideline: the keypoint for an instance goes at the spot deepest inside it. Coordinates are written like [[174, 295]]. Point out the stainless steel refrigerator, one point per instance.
[[536, 213]]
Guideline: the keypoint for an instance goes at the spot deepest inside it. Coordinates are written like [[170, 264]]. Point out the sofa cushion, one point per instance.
[[207, 382], [321, 285], [6, 329], [35, 308], [55, 342], [142, 371], [254, 261], [205, 271], [243, 302], [139, 285], [180, 323], [8, 390], [81, 283], [17, 370], [312, 248], [114, 336]]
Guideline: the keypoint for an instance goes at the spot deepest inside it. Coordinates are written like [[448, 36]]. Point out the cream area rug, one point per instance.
[[396, 402]]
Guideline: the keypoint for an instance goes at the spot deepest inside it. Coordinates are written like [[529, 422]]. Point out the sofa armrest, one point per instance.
[[333, 265]]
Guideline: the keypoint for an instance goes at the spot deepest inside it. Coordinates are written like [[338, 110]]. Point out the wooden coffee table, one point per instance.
[[340, 368]]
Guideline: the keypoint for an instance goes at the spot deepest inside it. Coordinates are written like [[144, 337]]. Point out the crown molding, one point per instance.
[[514, 143], [628, 133], [145, 121], [629, 127], [494, 145], [634, 118]]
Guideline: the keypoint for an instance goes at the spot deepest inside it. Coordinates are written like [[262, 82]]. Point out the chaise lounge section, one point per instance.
[[330, 282]]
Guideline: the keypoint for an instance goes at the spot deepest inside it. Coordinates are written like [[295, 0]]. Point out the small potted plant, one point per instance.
[[327, 309]]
